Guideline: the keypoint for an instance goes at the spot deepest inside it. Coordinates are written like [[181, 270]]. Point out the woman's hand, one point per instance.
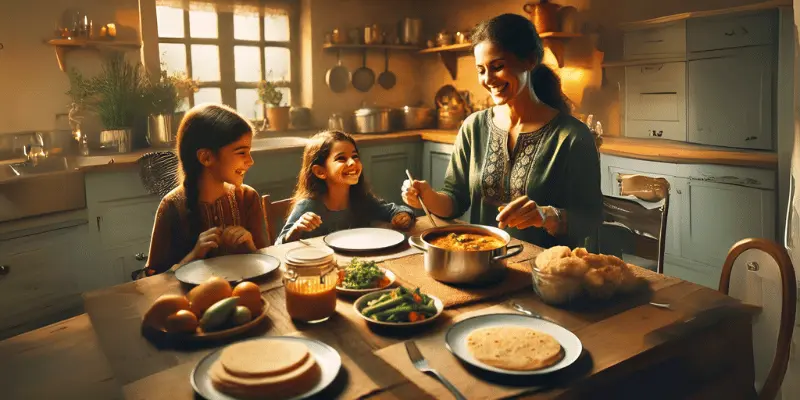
[[306, 223], [412, 189], [520, 214], [402, 220], [235, 236], [207, 240]]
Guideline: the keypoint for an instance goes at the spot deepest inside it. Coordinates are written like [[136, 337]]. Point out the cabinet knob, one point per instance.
[[731, 33], [678, 191], [4, 270], [140, 257], [749, 138]]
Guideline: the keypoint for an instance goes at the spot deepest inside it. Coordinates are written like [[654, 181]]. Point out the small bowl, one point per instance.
[[359, 292], [556, 289], [362, 301]]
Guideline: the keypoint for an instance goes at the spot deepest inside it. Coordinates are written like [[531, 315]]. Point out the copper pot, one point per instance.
[[544, 15]]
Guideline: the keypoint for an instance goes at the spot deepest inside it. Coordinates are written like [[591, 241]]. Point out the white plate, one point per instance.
[[456, 340], [232, 268], [362, 301], [358, 292], [364, 239], [327, 357]]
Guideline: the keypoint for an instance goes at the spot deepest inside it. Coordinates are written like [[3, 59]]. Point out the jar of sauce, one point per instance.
[[310, 276]]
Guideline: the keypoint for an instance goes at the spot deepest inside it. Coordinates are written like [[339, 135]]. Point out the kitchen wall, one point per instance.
[[32, 85], [582, 84]]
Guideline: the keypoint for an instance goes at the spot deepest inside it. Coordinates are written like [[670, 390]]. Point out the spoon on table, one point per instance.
[[430, 217], [528, 312]]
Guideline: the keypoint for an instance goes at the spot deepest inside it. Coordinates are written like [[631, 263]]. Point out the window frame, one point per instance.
[[225, 43]]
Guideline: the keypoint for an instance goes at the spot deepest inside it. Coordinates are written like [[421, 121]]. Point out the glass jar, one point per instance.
[[556, 289], [310, 276]]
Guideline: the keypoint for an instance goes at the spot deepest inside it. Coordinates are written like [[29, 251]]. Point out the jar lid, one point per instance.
[[309, 256]]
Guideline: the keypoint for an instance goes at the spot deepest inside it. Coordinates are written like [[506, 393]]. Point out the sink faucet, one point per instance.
[[35, 150]]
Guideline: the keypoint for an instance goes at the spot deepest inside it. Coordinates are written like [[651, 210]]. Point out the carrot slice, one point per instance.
[[413, 316]]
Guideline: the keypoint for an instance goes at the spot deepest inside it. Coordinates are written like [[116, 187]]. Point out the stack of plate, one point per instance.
[[309, 256]]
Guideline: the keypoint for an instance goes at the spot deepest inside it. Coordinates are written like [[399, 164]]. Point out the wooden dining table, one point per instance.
[[700, 347]]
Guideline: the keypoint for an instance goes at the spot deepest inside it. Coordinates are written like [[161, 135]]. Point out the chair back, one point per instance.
[[759, 272], [158, 172], [636, 226], [275, 214]]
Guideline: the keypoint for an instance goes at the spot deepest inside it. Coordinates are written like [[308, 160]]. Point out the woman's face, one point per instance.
[[232, 161], [502, 73], [343, 166]]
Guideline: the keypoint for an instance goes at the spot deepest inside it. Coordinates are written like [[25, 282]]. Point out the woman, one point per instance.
[[524, 164]]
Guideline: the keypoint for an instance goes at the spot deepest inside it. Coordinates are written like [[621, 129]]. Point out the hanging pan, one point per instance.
[[387, 79], [338, 77], [363, 78]]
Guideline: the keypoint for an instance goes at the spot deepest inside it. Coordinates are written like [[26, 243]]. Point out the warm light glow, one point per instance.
[[550, 59]]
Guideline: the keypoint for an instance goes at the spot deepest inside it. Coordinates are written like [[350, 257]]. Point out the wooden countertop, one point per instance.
[[659, 150], [644, 149]]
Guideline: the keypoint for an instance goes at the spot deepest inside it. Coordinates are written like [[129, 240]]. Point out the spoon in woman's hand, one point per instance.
[[419, 198]]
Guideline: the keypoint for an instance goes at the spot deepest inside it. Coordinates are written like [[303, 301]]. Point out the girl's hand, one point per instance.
[[236, 236], [306, 223], [207, 240], [402, 220], [412, 189], [521, 213]]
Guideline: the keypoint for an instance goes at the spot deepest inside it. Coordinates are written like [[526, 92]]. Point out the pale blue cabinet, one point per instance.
[[435, 160], [385, 167]]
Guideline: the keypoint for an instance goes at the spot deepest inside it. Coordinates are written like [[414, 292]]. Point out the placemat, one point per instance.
[[411, 272], [433, 348]]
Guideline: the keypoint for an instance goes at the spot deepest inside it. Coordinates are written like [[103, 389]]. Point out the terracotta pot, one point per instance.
[[278, 118], [544, 15]]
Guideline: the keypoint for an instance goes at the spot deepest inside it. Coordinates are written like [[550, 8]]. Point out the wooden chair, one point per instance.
[[632, 230], [751, 267], [275, 214]]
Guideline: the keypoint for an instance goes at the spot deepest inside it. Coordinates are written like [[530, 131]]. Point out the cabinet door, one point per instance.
[[655, 98], [676, 190], [436, 159], [41, 280], [731, 98], [385, 168], [716, 216]]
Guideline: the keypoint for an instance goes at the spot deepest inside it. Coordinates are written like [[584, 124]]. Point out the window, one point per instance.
[[228, 46]]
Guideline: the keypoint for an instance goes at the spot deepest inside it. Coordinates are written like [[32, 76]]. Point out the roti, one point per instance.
[[262, 358], [286, 385], [514, 348]]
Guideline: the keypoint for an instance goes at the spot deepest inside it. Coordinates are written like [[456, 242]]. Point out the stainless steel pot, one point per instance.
[[465, 267], [373, 120], [417, 117], [411, 31], [162, 129]]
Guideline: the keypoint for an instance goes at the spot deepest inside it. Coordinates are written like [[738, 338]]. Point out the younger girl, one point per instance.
[[331, 193], [212, 212]]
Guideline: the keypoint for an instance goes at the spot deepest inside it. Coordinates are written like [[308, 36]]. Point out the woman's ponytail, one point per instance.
[[547, 86]]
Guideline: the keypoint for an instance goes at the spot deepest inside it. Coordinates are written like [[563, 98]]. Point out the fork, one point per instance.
[[421, 364]]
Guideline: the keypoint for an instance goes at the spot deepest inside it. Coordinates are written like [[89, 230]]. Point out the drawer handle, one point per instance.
[[731, 33], [749, 138], [140, 257], [652, 68], [654, 41], [4, 270]]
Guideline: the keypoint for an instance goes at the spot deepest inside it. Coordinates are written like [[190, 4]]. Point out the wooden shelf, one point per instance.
[[404, 47], [64, 45], [449, 54]]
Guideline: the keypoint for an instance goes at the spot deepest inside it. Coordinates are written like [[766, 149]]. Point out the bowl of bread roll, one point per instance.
[[563, 276]]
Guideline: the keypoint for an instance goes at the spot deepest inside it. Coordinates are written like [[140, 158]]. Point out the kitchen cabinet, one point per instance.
[[655, 101], [435, 160], [711, 208], [385, 167], [731, 97], [42, 278], [663, 41], [275, 173], [731, 31]]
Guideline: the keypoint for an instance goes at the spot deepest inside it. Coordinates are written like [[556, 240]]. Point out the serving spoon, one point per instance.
[[419, 198]]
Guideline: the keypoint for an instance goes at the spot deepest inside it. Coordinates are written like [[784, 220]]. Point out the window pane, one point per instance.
[[276, 28], [169, 21], [245, 26], [287, 96], [247, 63], [208, 95], [277, 63], [205, 62], [202, 24], [173, 56], [247, 104]]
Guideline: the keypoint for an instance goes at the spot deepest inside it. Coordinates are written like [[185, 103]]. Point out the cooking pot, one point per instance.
[[417, 117], [373, 120], [544, 15], [461, 266]]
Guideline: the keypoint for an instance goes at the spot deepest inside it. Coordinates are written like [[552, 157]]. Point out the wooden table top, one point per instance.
[[627, 342]]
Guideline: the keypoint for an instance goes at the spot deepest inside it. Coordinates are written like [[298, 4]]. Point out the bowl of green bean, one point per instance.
[[398, 307]]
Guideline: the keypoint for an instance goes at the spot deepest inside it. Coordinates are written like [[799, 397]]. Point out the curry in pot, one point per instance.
[[467, 242]]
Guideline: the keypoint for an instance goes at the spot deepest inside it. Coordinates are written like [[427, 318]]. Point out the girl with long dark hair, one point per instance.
[[525, 164], [212, 212], [332, 193]]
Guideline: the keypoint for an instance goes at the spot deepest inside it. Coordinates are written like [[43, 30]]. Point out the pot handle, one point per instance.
[[511, 251], [416, 241], [528, 7]]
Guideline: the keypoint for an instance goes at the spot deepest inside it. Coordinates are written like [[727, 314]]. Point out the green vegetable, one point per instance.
[[383, 305], [361, 275], [397, 304]]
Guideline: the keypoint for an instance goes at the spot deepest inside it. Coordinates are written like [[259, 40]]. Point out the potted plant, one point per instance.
[[276, 115], [116, 95], [164, 97]]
